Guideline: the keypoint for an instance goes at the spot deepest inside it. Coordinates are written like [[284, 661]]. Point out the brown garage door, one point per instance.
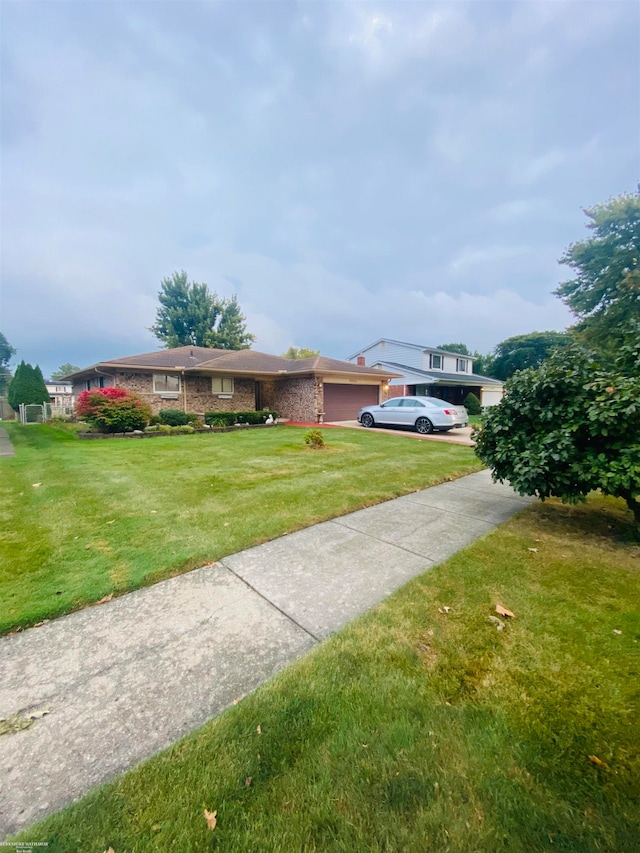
[[342, 402]]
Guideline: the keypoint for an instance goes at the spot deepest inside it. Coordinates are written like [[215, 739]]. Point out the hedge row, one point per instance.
[[231, 418]]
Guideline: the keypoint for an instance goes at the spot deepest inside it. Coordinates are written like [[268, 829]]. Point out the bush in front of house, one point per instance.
[[220, 418], [231, 418], [314, 439], [472, 404], [255, 417], [173, 417], [113, 409]]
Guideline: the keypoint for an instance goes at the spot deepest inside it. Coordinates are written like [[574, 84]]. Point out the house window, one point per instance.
[[435, 361], [166, 383], [461, 365], [222, 384]]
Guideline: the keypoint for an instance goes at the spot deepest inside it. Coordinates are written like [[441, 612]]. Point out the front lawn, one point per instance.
[[81, 520], [421, 727]]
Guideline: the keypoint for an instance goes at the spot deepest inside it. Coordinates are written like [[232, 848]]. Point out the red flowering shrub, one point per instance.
[[113, 409]]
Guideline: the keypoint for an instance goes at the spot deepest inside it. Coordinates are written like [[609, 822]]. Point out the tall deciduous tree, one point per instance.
[[523, 351], [191, 314], [27, 386], [300, 352], [6, 354], [64, 370], [605, 293], [459, 349]]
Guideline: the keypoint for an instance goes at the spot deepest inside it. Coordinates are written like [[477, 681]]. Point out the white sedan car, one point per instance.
[[424, 414]]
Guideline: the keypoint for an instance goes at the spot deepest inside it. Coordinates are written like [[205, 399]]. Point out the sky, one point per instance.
[[352, 171]]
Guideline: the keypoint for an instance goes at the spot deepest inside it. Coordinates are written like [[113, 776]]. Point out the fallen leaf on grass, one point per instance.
[[259, 730], [504, 612], [248, 781], [533, 550], [105, 599], [36, 485], [615, 631], [110, 850], [236, 700], [497, 622], [211, 818], [113, 521], [444, 609], [598, 762]]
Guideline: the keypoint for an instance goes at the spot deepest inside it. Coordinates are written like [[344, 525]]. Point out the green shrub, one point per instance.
[[174, 417], [314, 438], [472, 404], [164, 429], [154, 420], [255, 417], [568, 427], [220, 418], [182, 429], [193, 419]]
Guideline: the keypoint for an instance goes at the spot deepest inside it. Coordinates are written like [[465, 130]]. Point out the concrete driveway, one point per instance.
[[454, 436]]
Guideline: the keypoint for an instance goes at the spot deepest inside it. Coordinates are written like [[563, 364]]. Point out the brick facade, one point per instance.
[[298, 399]]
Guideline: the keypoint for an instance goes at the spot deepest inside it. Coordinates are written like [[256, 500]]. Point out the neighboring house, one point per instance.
[[60, 393], [429, 371], [198, 379]]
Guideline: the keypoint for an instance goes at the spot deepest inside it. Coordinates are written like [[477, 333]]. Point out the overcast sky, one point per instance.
[[352, 171]]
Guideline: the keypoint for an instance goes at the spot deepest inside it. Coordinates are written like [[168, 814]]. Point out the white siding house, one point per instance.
[[430, 371]]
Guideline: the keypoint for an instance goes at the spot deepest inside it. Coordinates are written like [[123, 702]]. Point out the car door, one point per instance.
[[410, 411], [389, 412]]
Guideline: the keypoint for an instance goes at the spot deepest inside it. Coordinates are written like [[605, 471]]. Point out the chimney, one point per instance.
[[360, 361]]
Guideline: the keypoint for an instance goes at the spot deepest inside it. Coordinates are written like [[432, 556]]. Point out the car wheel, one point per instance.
[[367, 420], [424, 426]]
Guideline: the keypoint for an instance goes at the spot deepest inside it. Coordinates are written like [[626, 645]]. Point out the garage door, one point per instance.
[[343, 402]]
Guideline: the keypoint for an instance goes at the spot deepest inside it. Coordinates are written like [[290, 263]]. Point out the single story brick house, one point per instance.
[[199, 380], [429, 371]]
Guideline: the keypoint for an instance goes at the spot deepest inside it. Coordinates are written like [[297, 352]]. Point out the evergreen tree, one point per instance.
[[191, 315], [232, 331], [27, 386]]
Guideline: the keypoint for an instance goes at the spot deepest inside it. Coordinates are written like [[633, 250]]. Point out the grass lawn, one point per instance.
[[111, 516], [418, 729]]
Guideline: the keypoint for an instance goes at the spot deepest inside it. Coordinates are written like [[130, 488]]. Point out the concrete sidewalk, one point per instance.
[[121, 681], [6, 448]]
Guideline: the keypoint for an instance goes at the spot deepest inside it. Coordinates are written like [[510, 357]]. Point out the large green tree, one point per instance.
[[459, 349], [27, 386], [568, 427], [300, 352], [64, 370], [6, 354], [523, 351], [605, 293], [231, 332], [191, 314]]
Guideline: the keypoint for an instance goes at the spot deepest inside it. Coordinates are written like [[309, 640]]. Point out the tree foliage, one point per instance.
[[472, 404], [605, 293], [64, 370], [113, 409], [6, 354], [568, 427], [190, 314], [300, 352], [27, 386], [458, 349], [523, 351]]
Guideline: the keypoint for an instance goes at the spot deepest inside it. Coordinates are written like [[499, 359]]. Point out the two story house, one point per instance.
[[429, 371]]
